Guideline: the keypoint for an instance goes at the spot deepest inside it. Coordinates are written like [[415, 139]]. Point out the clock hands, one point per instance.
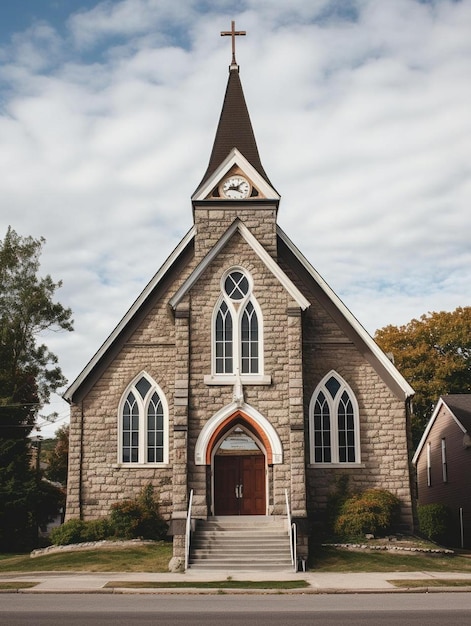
[[236, 187]]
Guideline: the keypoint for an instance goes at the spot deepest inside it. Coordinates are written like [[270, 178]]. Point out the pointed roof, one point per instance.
[[459, 407], [234, 129]]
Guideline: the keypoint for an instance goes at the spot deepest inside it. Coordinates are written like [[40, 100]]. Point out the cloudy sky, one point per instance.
[[362, 114]]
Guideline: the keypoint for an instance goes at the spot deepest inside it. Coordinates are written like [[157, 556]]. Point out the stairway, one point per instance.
[[253, 542]]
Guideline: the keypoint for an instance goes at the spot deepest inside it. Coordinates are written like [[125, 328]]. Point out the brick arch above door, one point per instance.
[[224, 419]]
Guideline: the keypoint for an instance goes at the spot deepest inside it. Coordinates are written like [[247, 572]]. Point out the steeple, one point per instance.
[[234, 128]]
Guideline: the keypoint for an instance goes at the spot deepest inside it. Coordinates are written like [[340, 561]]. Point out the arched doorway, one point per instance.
[[239, 474]]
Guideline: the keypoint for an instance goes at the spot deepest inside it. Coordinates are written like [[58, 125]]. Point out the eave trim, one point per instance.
[[69, 393], [270, 263], [441, 403], [347, 314]]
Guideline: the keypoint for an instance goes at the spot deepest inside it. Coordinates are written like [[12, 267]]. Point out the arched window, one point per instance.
[[237, 327], [334, 422], [143, 423]]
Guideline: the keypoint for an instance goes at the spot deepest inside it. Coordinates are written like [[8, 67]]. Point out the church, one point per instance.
[[238, 374]]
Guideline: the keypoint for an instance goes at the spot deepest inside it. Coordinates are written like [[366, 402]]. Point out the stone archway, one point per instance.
[[222, 421], [239, 485]]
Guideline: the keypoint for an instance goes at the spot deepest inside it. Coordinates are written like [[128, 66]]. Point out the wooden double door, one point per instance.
[[239, 485]]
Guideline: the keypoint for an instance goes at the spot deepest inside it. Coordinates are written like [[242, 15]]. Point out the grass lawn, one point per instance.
[[16, 585], [155, 558], [430, 582], [211, 584], [145, 558], [325, 559]]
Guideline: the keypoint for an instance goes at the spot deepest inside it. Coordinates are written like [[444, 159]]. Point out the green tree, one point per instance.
[[58, 457], [433, 354], [28, 374]]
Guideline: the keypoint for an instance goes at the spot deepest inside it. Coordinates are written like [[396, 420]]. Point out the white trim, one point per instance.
[[237, 309], [218, 418], [270, 263], [143, 403], [235, 158], [336, 465], [68, 395], [351, 319], [441, 403], [444, 461], [231, 379], [429, 464], [334, 431]]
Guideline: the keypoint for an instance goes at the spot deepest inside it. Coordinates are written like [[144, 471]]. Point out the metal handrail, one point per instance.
[[293, 541], [292, 534], [188, 530]]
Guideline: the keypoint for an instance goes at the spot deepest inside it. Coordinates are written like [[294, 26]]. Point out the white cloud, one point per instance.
[[361, 113]]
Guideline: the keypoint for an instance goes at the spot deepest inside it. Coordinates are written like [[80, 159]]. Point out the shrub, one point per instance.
[[78, 531], [128, 519], [336, 500], [124, 519], [138, 518], [69, 532], [434, 521], [97, 529], [374, 511]]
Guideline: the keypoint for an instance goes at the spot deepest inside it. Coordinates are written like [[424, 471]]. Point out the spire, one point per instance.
[[234, 128]]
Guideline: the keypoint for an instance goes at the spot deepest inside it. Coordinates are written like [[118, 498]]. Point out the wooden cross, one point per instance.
[[233, 33]]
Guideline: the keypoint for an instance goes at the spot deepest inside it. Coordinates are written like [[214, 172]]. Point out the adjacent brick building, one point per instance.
[[238, 373]]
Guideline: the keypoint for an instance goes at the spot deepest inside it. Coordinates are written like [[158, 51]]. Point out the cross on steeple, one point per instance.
[[233, 33]]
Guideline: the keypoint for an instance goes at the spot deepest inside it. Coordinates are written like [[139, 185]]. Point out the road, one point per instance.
[[397, 609]]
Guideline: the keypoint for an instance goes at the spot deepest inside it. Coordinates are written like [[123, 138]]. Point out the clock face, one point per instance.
[[236, 188]]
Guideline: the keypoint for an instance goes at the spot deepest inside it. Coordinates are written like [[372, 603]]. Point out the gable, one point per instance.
[[235, 161], [267, 260], [457, 407]]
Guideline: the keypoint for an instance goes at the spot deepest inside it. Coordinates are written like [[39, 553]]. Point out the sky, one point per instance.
[[361, 111]]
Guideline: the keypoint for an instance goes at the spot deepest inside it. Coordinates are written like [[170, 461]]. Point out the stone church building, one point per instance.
[[237, 373]]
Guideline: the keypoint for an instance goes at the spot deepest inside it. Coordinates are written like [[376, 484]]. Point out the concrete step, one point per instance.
[[241, 564], [241, 543]]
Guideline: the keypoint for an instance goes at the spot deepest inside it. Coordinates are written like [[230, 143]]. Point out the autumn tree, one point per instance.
[[58, 457], [29, 373], [433, 354]]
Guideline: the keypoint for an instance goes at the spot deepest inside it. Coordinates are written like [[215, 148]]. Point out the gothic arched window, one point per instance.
[[334, 422], [143, 423], [237, 332]]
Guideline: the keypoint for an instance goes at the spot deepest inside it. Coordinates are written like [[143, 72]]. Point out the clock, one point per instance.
[[235, 188]]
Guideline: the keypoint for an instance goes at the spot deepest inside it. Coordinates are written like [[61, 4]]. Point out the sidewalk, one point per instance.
[[322, 582]]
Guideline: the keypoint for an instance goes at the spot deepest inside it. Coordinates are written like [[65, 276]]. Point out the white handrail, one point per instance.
[[188, 530], [292, 534], [288, 512], [294, 540]]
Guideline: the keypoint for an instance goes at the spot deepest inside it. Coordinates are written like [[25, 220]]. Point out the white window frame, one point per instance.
[[444, 462], [143, 404], [236, 309], [333, 404], [429, 464]]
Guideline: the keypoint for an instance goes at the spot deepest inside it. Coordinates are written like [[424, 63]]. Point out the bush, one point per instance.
[[434, 521], [336, 500], [79, 531], [128, 519], [97, 529], [372, 512], [138, 518], [70, 532]]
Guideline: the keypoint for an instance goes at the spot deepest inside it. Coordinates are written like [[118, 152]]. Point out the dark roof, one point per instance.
[[234, 129], [460, 405]]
